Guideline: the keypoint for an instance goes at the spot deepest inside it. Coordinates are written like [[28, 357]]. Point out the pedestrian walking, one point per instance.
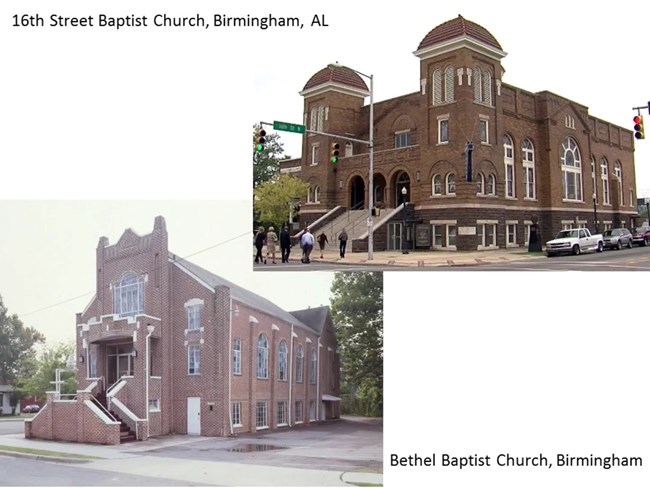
[[322, 241], [285, 244], [260, 237], [307, 244], [271, 240], [343, 241]]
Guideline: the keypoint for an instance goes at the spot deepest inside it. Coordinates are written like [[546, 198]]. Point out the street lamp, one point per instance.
[[593, 196], [371, 150], [404, 191]]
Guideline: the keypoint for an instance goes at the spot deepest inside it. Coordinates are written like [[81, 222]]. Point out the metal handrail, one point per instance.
[[110, 416]]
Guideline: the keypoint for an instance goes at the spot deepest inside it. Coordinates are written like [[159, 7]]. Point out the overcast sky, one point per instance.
[[47, 254]]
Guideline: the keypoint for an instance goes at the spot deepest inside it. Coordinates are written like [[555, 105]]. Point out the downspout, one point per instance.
[[290, 406], [318, 399], [229, 350], [150, 329]]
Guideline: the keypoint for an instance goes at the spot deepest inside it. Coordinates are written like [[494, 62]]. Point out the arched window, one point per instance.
[[604, 176], [571, 170], [509, 162], [313, 367], [491, 186], [316, 118], [480, 184], [593, 178], [317, 194], [128, 295], [437, 87], [282, 361], [618, 174], [449, 84], [262, 356], [348, 149], [310, 195], [236, 356], [299, 363], [437, 185], [477, 79], [451, 184], [487, 88], [528, 161]]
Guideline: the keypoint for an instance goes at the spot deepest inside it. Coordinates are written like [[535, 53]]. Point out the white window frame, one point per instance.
[[481, 232], [128, 295], [443, 119], [480, 183], [313, 410], [604, 176], [528, 162], [450, 184], [402, 139], [236, 414], [313, 367], [436, 84], [593, 178], [444, 234], [236, 356], [282, 414], [154, 405], [316, 194], [194, 317], [262, 356], [349, 149], [436, 185], [283, 372], [511, 233], [298, 412], [300, 363], [618, 176], [261, 415], [491, 185], [509, 166], [193, 360], [449, 82], [571, 171], [315, 153]]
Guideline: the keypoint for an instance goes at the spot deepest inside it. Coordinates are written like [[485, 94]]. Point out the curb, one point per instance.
[[40, 457]]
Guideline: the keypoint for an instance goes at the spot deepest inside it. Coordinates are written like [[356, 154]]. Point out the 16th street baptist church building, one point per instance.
[[166, 346], [535, 156]]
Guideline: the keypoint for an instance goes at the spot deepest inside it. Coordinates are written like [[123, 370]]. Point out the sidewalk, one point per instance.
[[423, 258]]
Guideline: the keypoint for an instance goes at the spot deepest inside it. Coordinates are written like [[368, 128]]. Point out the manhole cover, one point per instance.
[[254, 448]]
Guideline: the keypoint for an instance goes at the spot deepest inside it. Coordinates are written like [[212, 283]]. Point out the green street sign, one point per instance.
[[285, 126]]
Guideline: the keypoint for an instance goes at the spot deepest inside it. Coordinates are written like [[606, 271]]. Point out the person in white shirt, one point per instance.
[[307, 244]]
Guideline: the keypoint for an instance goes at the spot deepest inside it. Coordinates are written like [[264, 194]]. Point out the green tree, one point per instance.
[[358, 312], [273, 199], [266, 163], [43, 372], [16, 345]]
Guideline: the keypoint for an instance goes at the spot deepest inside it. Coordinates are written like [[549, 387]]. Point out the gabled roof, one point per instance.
[[240, 294], [316, 318], [458, 27]]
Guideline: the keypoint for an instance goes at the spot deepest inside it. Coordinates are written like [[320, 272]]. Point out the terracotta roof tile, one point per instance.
[[458, 27], [340, 75]]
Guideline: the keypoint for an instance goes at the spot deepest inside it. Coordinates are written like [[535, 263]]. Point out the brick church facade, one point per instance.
[[537, 157], [166, 346]]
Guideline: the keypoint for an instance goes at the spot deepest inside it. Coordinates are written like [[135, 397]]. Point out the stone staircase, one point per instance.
[[126, 434]]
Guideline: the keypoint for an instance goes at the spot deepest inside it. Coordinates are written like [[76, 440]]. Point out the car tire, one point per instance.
[[629, 244], [575, 250], [618, 245], [600, 247]]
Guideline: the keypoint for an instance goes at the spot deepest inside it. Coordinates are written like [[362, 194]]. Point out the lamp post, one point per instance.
[[593, 196], [404, 233], [371, 169]]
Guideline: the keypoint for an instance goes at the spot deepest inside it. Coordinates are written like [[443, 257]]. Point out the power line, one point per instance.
[[146, 271]]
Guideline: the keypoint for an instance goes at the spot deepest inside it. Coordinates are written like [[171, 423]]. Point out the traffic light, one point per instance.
[[334, 152], [260, 140], [639, 133]]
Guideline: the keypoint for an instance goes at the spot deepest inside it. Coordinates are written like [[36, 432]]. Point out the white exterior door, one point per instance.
[[194, 415]]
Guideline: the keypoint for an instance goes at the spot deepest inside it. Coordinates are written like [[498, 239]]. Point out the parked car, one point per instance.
[[31, 408], [574, 241], [641, 235], [617, 238]]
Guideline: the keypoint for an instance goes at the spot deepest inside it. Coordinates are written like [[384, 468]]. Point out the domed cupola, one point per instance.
[[457, 33], [336, 78]]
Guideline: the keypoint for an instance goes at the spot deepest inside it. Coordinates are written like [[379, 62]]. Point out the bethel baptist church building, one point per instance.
[[166, 346], [535, 155]]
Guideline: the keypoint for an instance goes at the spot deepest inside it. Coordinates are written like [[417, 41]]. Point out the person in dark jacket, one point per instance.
[[260, 237], [343, 241], [285, 244]]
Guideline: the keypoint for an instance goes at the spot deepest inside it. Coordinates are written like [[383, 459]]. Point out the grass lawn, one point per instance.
[[42, 452]]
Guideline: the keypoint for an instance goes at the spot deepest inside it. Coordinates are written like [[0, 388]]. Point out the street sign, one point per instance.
[[285, 126]]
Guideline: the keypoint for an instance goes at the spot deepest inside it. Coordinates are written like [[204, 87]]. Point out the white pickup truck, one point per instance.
[[574, 241]]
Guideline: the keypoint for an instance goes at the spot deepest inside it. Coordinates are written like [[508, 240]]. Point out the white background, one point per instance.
[[475, 364]]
